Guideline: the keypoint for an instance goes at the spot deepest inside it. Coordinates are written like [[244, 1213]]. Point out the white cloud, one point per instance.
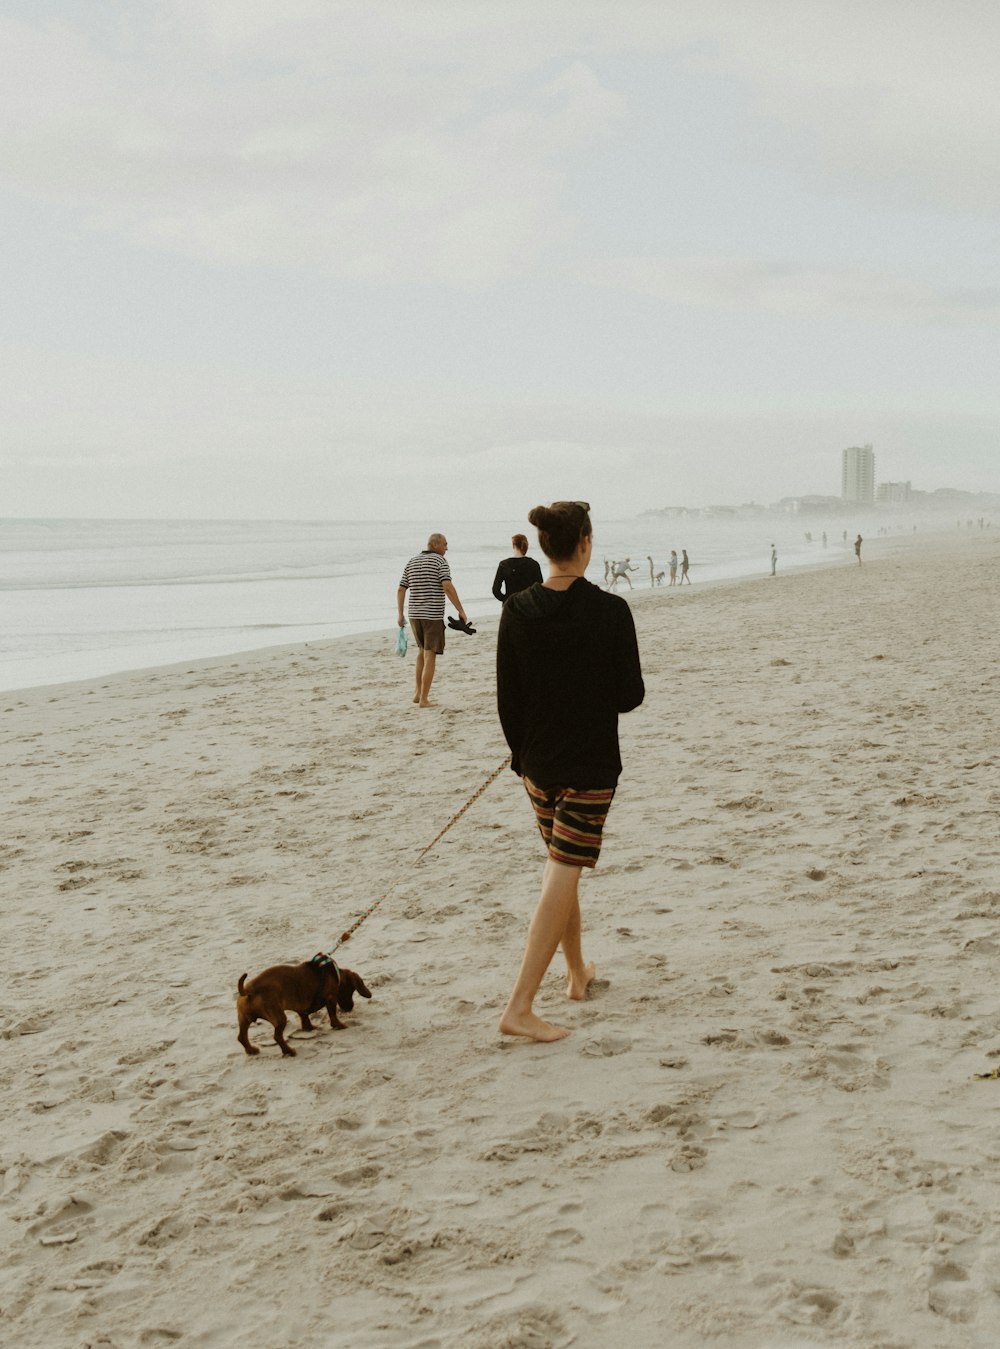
[[326, 139], [891, 102], [431, 141], [792, 291], [436, 148]]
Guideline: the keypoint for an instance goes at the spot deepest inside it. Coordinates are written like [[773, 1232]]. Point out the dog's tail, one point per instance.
[[239, 986]]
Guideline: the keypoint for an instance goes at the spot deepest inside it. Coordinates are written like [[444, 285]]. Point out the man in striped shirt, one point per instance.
[[428, 579]]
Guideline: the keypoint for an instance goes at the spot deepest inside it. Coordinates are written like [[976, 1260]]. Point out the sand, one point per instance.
[[763, 1129]]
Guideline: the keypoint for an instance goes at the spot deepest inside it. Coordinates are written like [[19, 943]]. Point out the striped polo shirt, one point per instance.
[[422, 577]]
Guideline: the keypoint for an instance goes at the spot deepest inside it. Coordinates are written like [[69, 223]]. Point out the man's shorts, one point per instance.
[[429, 634], [571, 821]]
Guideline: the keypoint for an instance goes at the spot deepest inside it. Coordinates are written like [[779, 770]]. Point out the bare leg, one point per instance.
[[419, 672], [578, 973], [426, 668], [426, 660], [556, 915]]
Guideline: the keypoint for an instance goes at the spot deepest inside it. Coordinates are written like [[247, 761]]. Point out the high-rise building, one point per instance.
[[893, 493], [857, 481]]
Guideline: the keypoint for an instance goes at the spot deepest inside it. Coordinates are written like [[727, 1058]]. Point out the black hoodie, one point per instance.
[[567, 665]]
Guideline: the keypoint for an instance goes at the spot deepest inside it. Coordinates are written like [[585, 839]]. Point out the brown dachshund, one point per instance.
[[304, 989]]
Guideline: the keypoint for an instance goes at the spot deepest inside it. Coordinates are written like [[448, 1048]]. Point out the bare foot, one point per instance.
[[576, 985], [427, 704], [416, 697], [531, 1027]]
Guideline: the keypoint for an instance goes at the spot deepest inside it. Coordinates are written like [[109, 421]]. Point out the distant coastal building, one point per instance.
[[858, 462], [857, 481], [812, 504], [893, 492]]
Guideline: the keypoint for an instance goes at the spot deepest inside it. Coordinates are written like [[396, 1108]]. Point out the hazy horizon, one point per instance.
[[308, 259], [903, 510]]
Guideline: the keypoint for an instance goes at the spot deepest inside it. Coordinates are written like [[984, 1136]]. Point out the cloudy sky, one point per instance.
[[304, 258]]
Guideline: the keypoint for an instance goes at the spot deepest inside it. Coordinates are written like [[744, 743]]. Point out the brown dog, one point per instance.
[[305, 988]]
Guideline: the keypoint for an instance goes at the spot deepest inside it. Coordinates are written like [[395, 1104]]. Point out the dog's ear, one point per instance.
[[350, 983], [345, 991]]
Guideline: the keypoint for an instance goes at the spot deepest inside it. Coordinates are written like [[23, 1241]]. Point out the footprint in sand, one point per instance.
[[947, 1296], [31, 1025], [811, 1307], [688, 1158], [104, 1149], [359, 1175], [171, 1227], [64, 1221], [606, 1046]]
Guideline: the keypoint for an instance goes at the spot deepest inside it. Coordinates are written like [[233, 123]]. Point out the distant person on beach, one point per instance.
[[428, 579], [774, 559], [857, 548], [620, 571], [567, 666], [684, 567], [672, 565], [517, 572]]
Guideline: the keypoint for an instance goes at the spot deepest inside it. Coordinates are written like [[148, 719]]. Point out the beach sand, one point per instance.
[[763, 1130]]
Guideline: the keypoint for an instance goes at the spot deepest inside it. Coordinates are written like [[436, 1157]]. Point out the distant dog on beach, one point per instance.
[[304, 989]]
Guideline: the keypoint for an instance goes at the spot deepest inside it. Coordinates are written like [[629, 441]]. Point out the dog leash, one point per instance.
[[346, 936]]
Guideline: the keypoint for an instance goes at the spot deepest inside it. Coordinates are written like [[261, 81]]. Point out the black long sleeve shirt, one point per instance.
[[567, 665], [515, 574]]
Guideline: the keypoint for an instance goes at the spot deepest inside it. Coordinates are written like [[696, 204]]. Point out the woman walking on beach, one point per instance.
[[517, 572], [567, 665]]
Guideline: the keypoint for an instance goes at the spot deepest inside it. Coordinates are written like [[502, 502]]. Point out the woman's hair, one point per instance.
[[520, 542], [560, 527]]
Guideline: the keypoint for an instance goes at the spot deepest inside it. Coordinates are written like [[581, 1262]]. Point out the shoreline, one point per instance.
[[364, 639], [762, 1130]]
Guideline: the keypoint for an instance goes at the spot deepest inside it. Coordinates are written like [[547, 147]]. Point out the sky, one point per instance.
[[405, 259]]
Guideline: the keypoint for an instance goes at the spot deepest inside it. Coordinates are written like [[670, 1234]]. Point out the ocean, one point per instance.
[[84, 598]]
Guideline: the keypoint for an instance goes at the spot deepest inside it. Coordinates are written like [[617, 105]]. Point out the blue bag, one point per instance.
[[401, 643]]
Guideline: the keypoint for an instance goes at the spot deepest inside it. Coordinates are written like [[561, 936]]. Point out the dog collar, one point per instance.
[[324, 961]]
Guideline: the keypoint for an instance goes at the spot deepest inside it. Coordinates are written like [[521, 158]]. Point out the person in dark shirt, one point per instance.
[[517, 572], [567, 666]]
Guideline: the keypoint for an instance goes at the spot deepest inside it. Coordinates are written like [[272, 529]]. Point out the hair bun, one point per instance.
[[560, 528]]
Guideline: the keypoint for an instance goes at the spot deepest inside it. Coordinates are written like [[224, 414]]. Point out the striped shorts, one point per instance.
[[571, 821]]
